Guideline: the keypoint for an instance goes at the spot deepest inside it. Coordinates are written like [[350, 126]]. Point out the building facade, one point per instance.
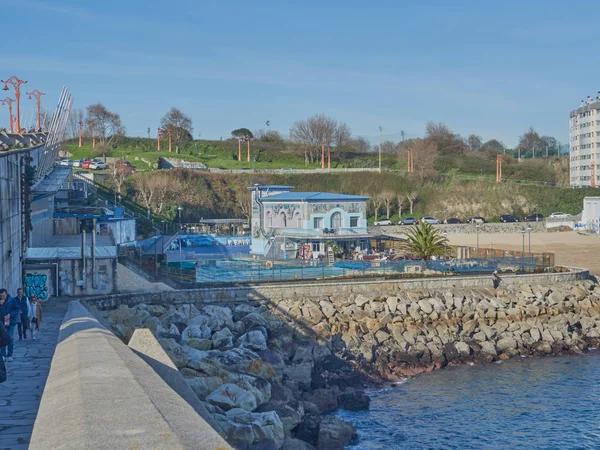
[[584, 144], [305, 224]]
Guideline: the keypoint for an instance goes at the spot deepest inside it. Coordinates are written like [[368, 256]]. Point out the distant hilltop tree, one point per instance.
[[177, 126], [242, 132], [106, 126]]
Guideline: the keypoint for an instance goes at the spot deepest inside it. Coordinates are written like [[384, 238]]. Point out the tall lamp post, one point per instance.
[[380, 142], [158, 139], [523, 250], [37, 94], [9, 102], [80, 133], [445, 242], [529, 229], [477, 230], [179, 209], [16, 84]]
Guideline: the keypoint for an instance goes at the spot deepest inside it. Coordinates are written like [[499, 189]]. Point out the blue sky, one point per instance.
[[493, 69]]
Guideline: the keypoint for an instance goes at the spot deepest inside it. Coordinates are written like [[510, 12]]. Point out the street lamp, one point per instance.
[[445, 242], [529, 229], [477, 230], [37, 94], [16, 84], [80, 133], [380, 142], [523, 250], [179, 208], [9, 102]]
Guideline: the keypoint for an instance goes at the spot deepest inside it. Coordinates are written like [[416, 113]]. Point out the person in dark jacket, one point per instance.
[[4, 341], [23, 324], [10, 308]]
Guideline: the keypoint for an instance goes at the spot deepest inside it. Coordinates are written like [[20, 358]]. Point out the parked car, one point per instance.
[[64, 162], [452, 220], [476, 219], [382, 222], [77, 162], [506, 218], [97, 164], [85, 163], [408, 221], [124, 167], [558, 215], [430, 220], [535, 217]]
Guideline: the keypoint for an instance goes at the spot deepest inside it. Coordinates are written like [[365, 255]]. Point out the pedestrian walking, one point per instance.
[[36, 316], [496, 279], [4, 341], [23, 324], [10, 312]]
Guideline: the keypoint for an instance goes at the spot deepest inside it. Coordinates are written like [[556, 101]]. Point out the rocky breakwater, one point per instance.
[[410, 332], [266, 383]]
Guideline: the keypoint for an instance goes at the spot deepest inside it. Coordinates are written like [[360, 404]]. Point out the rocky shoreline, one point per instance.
[[268, 371]]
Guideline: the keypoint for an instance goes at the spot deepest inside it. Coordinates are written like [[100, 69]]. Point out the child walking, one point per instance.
[[36, 316]]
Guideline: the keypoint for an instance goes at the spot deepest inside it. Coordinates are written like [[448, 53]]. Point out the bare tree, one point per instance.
[[433, 129], [342, 135], [424, 154], [105, 125], [360, 144], [144, 190], [376, 203], [244, 205], [412, 198], [400, 201], [75, 116], [316, 131], [388, 197], [474, 142], [177, 126], [118, 178]]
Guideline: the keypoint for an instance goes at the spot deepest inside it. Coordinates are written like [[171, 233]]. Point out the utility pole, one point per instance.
[[80, 133], [158, 140], [380, 142], [9, 101]]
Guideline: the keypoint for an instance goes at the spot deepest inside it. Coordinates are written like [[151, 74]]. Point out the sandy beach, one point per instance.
[[570, 248]]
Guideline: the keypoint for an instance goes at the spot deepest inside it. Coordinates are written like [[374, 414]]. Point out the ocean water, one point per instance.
[[524, 403]]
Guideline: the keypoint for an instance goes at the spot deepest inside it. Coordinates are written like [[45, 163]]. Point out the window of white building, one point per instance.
[[317, 223]]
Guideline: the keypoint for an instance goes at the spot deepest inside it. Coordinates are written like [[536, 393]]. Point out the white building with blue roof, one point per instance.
[[304, 225]]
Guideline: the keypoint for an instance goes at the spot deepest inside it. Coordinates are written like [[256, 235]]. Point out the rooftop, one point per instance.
[[53, 181], [270, 187], [313, 197]]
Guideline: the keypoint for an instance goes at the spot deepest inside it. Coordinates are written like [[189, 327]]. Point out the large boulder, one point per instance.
[[301, 373], [288, 415], [199, 344], [189, 311], [325, 399], [219, 317], [203, 386], [353, 400], [335, 434], [242, 310], [259, 387], [254, 340], [223, 339], [267, 429], [229, 395], [239, 435], [196, 332]]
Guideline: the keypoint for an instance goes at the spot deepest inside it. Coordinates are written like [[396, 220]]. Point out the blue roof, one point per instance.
[[313, 197]]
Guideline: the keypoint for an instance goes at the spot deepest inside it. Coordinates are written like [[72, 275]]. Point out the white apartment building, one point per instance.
[[584, 143]]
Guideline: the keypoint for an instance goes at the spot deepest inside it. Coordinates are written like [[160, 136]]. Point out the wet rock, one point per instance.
[[325, 399], [353, 400], [254, 340], [335, 434]]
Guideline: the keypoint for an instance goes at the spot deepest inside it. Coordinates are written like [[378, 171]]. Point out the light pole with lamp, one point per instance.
[[445, 243], [380, 142], [529, 229], [523, 250], [80, 133], [37, 94], [477, 231], [9, 101], [179, 209], [16, 84]]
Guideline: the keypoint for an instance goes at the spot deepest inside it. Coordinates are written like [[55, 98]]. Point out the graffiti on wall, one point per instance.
[[36, 284]]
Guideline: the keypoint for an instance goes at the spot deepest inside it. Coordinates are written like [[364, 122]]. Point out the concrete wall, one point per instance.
[[129, 281], [279, 291], [11, 220], [100, 394], [467, 228], [70, 271]]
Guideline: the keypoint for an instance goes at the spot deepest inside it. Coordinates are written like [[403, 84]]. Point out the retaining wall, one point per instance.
[[100, 394], [467, 228], [279, 291]]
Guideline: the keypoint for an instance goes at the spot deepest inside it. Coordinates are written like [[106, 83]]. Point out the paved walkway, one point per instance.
[[20, 395]]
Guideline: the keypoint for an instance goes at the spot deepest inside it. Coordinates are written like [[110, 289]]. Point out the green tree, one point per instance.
[[242, 132], [424, 241]]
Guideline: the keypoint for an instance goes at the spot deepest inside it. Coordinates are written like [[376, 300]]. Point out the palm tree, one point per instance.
[[424, 241]]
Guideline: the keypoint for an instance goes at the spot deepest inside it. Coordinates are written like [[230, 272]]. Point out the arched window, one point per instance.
[[336, 220], [297, 220], [283, 219], [269, 219]]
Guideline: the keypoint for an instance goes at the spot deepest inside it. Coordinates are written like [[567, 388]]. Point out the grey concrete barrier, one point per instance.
[[100, 394]]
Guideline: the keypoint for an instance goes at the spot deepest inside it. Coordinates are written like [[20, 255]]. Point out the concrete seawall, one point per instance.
[[278, 291], [100, 394]]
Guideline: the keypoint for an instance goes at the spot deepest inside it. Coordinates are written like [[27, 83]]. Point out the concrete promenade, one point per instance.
[[20, 395]]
